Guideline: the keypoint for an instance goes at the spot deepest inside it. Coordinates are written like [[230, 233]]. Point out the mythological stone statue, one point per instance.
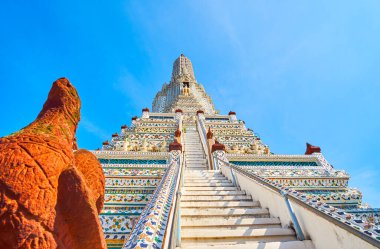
[[50, 196]]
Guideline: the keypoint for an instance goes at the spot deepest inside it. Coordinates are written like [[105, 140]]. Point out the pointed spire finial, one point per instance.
[[182, 67]]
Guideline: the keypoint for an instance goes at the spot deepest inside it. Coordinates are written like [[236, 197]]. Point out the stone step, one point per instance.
[[207, 181], [203, 173], [213, 192], [191, 173], [217, 204], [193, 176], [306, 244], [214, 212], [206, 178], [194, 184], [208, 171], [246, 234], [215, 197], [200, 222], [209, 188], [196, 160]]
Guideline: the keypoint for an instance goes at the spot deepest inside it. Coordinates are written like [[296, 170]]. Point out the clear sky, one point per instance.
[[295, 71]]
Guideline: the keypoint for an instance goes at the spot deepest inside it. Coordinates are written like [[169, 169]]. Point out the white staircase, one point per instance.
[[216, 214], [194, 154]]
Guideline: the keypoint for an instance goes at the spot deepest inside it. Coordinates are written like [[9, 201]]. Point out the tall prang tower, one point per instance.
[[183, 175], [183, 92]]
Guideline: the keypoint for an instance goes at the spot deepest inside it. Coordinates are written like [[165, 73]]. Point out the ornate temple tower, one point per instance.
[[183, 92], [227, 183]]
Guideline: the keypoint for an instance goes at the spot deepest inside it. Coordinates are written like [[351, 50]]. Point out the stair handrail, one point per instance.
[[174, 240], [336, 216], [153, 221]]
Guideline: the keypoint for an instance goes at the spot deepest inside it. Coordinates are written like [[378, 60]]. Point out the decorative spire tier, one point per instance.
[[183, 69], [183, 91]]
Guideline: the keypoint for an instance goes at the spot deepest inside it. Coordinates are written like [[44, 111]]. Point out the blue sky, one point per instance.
[[295, 71]]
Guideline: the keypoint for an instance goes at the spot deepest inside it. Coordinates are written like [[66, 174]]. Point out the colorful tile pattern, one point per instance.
[[151, 226]]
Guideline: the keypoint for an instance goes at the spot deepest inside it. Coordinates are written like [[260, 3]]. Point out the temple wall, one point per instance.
[[131, 178]]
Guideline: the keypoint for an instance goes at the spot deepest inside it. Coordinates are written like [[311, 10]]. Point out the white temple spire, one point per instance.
[[183, 92], [183, 69]]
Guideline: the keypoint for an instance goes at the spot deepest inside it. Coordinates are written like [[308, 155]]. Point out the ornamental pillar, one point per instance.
[[134, 121], [210, 142], [201, 114], [177, 135], [232, 116], [175, 146], [218, 151], [145, 113]]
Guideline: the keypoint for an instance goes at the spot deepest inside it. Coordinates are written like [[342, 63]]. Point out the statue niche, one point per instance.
[[186, 88]]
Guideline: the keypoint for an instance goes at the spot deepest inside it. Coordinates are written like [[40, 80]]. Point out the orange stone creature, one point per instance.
[[50, 196]]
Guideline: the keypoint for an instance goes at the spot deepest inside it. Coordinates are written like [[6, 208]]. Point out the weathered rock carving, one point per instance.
[[50, 196]]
